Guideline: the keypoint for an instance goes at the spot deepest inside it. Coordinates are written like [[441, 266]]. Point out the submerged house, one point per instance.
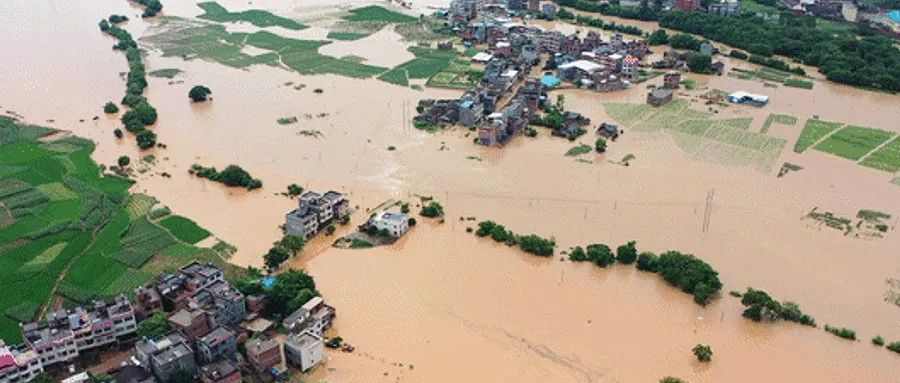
[[742, 97]]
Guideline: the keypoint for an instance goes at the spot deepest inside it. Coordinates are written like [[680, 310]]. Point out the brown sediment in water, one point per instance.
[[457, 307]]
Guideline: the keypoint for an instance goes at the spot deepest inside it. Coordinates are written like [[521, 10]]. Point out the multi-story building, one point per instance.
[[534, 5], [687, 5], [66, 333], [549, 10], [193, 323], [166, 356], [304, 350], [314, 316], [396, 224], [550, 41], [18, 364], [263, 353], [315, 211], [225, 304], [630, 66], [218, 344], [470, 112], [221, 371]]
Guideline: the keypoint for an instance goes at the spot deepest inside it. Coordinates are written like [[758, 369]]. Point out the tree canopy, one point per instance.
[[154, 326], [199, 93]]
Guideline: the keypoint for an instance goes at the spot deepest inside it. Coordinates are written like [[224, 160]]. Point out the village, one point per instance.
[[212, 332], [522, 62]]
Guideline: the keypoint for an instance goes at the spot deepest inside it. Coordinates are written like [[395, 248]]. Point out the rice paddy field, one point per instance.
[[260, 18], [72, 232], [886, 158], [813, 131], [723, 141]]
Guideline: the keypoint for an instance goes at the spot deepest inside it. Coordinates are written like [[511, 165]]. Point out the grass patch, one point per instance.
[[378, 14], [215, 12], [886, 158], [579, 150], [287, 120], [165, 73], [813, 131], [853, 142], [184, 229], [797, 83], [781, 119], [396, 76], [346, 36], [357, 243]]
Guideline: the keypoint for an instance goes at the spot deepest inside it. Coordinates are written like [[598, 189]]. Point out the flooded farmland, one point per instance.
[[444, 305]]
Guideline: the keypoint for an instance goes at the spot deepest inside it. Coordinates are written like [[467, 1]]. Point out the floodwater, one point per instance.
[[449, 306]]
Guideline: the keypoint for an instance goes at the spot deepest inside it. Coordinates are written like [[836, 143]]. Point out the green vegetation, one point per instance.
[[781, 119], [233, 175], [215, 12], [153, 327], [702, 352], [283, 250], [853, 142], [529, 243], [600, 146], [199, 93], [376, 13], [813, 131], [886, 158], [110, 108], [396, 76], [690, 274], [151, 7], [142, 112], [761, 307], [184, 229], [842, 332], [671, 379], [432, 210], [346, 36], [69, 231], [287, 120], [726, 142], [627, 254], [357, 243], [165, 73], [894, 346], [579, 150], [797, 83], [878, 340], [292, 289]]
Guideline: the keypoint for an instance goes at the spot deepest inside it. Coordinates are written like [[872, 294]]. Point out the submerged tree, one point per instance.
[[199, 93], [703, 353]]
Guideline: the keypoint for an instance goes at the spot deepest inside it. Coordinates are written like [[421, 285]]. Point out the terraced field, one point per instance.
[[68, 230]]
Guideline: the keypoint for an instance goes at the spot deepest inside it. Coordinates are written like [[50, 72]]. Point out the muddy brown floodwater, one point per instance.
[[443, 305]]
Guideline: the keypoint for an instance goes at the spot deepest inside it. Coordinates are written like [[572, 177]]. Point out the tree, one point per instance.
[[275, 257], [294, 190], [536, 245], [658, 37], [291, 290], [432, 210], [234, 175], [153, 327], [627, 253], [760, 306], [600, 145], [700, 63], [123, 161], [703, 353], [199, 93], [690, 274], [118, 133], [671, 379], [878, 340], [43, 378], [646, 261], [110, 108], [293, 243], [684, 41], [146, 139], [600, 254], [578, 255], [411, 222]]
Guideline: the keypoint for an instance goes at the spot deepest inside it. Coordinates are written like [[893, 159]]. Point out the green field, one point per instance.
[[780, 119], [886, 158], [396, 76], [727, 142], [184, 229], [797, 83], [165, 73], [813, 131], [61, 218], [853, 142], [346, 36], [378, 14], [215, 12]]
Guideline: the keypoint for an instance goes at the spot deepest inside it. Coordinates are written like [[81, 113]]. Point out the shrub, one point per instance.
[[123, 161], [536, 245], [842, 332], [646, 261], [233, 175], [432, 210], [199, 93], [878, 340], [703, 353], [894, 346], [671, 379], [600, 255], [627, 253], [600, 145], [110, 108], [146, 139], [118, 133], [578, 255], [690, 274]]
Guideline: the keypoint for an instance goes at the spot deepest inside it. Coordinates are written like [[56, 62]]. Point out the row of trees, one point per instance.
[[685, 271], [233, 175], [283, 250], [868, 61], [529, 243], [648, 11], [760, 306], [151, 7], [599, 23], [141, 113]]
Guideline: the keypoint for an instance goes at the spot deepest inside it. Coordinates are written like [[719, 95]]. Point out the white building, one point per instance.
[[396, 224], [304, 350]]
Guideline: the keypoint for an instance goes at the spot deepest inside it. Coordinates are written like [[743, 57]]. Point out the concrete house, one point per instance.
[[222, 371], [659, 96], [396, 224], [166, 356], [263, 353], [194, 323], [218, 344], [315, 212], [304, 350]]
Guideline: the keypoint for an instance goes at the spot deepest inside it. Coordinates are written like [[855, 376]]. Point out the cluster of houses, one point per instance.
[[207, 319], [678, 60], [316, 211], [501, 105]]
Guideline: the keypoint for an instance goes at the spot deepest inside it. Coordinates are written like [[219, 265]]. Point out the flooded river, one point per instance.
[[443, 305]]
